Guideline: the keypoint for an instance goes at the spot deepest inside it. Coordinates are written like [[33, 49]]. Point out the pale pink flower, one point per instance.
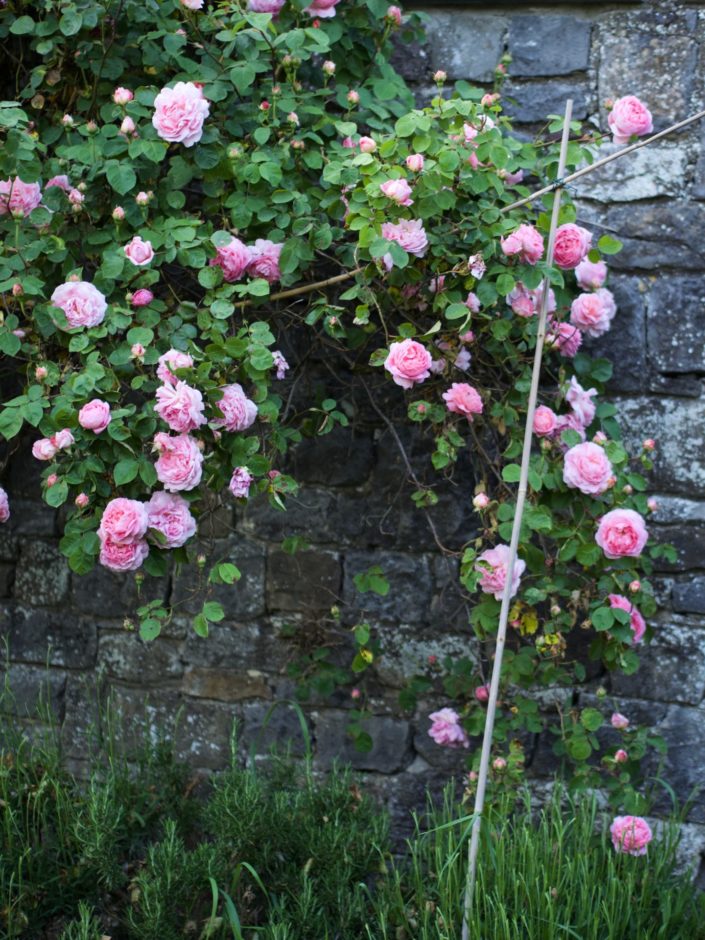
[[565, 337], [121, 556], [95, 416], [142, 297], [652, 504], [123, 521], [629, 117], [621, 756], [139, 252], [240, 482], [82, 303], [19, 198], [62, 439], [238, 411], [137, 351], [76, 198], [280, 363], [367, 145], [492, 565], [394, 15], [177, 360], [398, 191], [437, 284], [415, 162], [463, 359], [482, 693], [446, 729], [122, 95], [127, 126], [499, 763], [62, 182], [637, 622], [572, 244], [323, 9], [409, 234], [621, 533], [264, 260], [180, 462], [353, 96], [40, 373], [44, 449], [143, 198], [581, 401], [593, 313], [649, 444], [463, 399], [265, 6], [179, 113], [233, 259], [591, 274], [192, 4], [477, 266], [544, 421], [180, 406], [481, 501], [525, 302], [512, 179], [118, 213], [587, 468], [51, 480], [349, 143], [439, 76], [472, 302], [630, 834], [328, 67], [170, 515], [619, 721], [82, 500], [408, 362], [526, 242]]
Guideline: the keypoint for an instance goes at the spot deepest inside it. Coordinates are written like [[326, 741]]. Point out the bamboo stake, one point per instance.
[[513, 546]]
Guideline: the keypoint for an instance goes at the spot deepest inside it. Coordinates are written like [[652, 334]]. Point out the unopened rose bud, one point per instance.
[[264, 106], [127, 624], [76, 197], [298, 144], [142, 199], [555, 610], [621, 757], [432, 660], [439, 77], [635, 586], [353, 96], [481, 501], [20, 334], [128, 126], [488, 100], [355, 693], [81, 500], [600, 437], [67, 120], [118, 213], [328, 67], [652, 504], [51, 480], [649, 444], [122, 96], [393, 15], [92, 127], [367, 145], [421, 408], [472, 776], [628, 489], [609, 103], [501, 68], [201, 561], [499, 763], [482, 693], [292, 117], [40, 373], [619, 721], [17, 213], [137, 351], [17, 289], [274, 474], [234, 153], [415, 162], [601, 692]]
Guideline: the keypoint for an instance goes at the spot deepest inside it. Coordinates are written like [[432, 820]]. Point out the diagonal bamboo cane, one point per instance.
[[513, 546]]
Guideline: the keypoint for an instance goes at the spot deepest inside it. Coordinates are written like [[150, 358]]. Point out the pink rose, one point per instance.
[[591, 274], [477, 266], [569, 422], [142, 297], [565, 337], [170, 515], [621, 756], [619, 722], [265, 6], [408, 362], [240, 482], [264, 260], [526, 242], [367, 144], [18, 197], [398, 191], [525, 302], [4, 506], [62, 439], [192, 4], [179, 113], [462, 360], [482, 693], [394, 14], [446, 729], [62, 182], [82, 303], [512, 179], [123, 520], [180, 406], [544, 421], [571, 245], [481, 501], [492, 565], [409, 234], [463, 399], [179, 465], [139, 252], [629, 117], [95, 416], [127, 126], [637, 622], [280, 364], [82, 500], [232, 258], [630, 834], [472, 302], [323, 9], [177, 360], [121, 556], [44, 449], [238, 411], [593, 313], [587, 468], [122, 95], [415, 162], [621, 533], [581, 402]]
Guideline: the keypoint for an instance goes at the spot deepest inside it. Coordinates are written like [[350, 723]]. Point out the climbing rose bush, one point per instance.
[[174, 179]]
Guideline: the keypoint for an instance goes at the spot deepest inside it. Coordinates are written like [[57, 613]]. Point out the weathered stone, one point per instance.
[[204, 735], [225, 685], [675, 331], [548, 45], [630, 372], [319, 515], [405, 654], [42, 575], [391, 740], [676, 509], [410, 59], [125, 656], [46, 636], [305, 580], [534, 101], [29, 688], [227, 645], [683, 730], [242, 600], [698, 190], [340, 458], [7, 578], [32, 517], [658, 171], [689, 597], [104, 593], [410, 586], [466, 44], [689, 542], [268, 727]]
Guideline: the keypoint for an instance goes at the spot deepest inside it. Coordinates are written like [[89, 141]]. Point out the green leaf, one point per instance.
[[121, 177], [22, 26], [125, 471], [609, 245], [372, 580], [602, 618], [228, 573], [511, 473], [591, 719], [150, 629], [579, 748], [200, 625], [57, 494], [213, 611]]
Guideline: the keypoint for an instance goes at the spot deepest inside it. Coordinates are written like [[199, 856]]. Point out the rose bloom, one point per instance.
[[180, 462], [280, 364], [587, 468], [367, 145], [477, 266], [472, 302], [492, 565], [62, 182], [525, 302], [637, 622], [409, 234], [180, 406], [581, 401], [264, 260], [121, 556], [398, 191], [593, 313], [446, 729], [621, 533], [4, 506], [463, 399], [240, 482], [123, 521], [394, 14], [629, 117], [526, 242], [544, 421], [565, 337], [323, 9], [44, 449], [238, 411], [139, 252], [462, 360], [192, 4], [233, 259], [408, 362], [170, 515], [177, 360], [482, 693], [62, 439], [142, 297], [265, 6], [571, 245], [481, 501], [82, 303], [179, 113], [630, 834], [128, 126], [122, 95], [621, 756], [95, 416], [415, 162], [19, 197], [591, 274], [619, 721]]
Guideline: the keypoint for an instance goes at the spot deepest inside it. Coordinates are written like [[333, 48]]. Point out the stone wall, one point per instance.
[[354, 508]]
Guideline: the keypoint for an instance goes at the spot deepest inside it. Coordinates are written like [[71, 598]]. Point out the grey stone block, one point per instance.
[[410, 59], [225, 685], [49, 637], [534, 101], [305, 580], [548, 45], [629, 372], [657, 171], [31, 687], [391, 749], [7, 578], [319, 515], [676, 325], [689, 542], [267, 727], [125, 656], [410, 586], [106, 594], [466, 44], [32, 517], [242, 600], [42, 575], [341, 458], [689, 597], [204, 735], [683, 731]]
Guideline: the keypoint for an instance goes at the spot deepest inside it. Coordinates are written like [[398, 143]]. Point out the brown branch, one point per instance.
[[305, 288]]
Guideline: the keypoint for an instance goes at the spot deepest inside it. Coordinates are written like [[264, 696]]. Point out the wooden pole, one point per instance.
[[513, 547]]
